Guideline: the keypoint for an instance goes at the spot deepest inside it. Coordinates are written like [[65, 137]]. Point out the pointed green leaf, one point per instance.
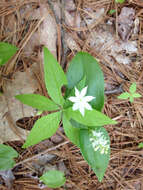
[[54, 77], [6, 52], [37, 101], [91, 118], [84, 65], [53, 178], [133, 88], [137, 95], [71, 132], [124, 95], [95, 151], [43, 129], [7, 154]]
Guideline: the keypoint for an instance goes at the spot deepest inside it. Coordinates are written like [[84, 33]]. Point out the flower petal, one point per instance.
[[83, 92], [72, 99], [75, 106], [77, 93], [88, 98], [81, 109], [87, 106]]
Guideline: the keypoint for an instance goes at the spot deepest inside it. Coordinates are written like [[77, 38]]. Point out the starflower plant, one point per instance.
[[79, 109]]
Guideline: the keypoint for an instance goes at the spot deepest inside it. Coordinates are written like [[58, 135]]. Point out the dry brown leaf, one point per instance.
[[126, 23], [103, 39], [11, 109]]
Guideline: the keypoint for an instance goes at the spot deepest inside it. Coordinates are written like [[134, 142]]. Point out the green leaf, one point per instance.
[[92, 118], [137, 95], [78, 125], [43, 129], [119, 1], [7, 154], [140, 145], [124, 95], [54, 77], [79, 86], [53, 178], [71, 132], [112, 11], [6, 52], [37, 101], [84, 65], [133, 88], [92, 151]]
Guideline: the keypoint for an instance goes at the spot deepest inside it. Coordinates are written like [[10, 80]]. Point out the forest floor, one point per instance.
[[66, 27]]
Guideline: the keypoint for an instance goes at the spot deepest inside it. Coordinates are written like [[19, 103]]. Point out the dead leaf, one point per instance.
[[45, 35], [8, 178], [126, 23], [104, 41], [11, 109]]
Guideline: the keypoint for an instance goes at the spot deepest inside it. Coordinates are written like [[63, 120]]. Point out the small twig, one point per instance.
[[116, 90], [52, 9], [64, 46], [44, 152], [60, 23], [116, 6]]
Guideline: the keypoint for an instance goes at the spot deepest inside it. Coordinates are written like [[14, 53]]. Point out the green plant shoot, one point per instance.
[[131, 94]]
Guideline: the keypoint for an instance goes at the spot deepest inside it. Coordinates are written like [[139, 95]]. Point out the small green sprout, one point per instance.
[[131, 95], [140, 145], [112, 11], [119, 1]]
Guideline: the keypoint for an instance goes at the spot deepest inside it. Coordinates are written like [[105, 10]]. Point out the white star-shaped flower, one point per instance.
[[81, 101]]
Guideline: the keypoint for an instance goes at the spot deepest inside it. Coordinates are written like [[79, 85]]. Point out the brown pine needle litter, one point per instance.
[[125, 170]]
